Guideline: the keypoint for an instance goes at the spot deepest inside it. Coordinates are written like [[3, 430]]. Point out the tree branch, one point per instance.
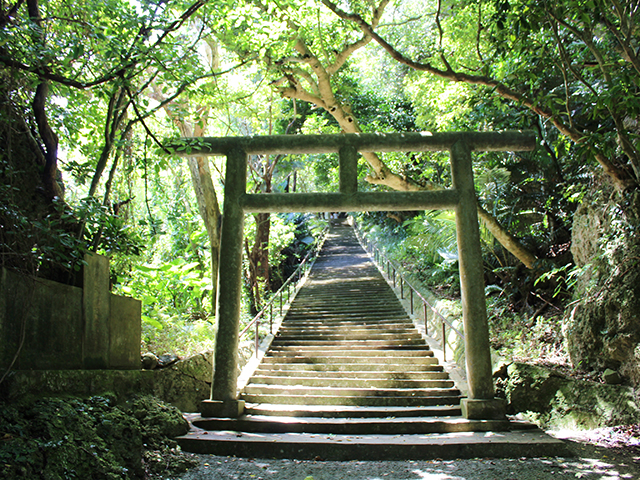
[[349, 49], [7, 17], [620, 178]]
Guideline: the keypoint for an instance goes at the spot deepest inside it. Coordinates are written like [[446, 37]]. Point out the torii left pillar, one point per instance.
[[224, 400]]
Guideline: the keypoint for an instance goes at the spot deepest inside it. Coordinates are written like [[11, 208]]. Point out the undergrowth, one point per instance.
[[72, 438]]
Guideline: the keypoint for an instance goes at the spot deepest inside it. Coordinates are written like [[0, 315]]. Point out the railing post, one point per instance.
[[444, 343], [271, 317], [411, 299], [257, 339], [481, 403], [401, 288], [426, 321]]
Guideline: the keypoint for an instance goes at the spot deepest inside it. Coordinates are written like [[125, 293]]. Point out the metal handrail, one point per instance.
[[391, 271], [307, 263]]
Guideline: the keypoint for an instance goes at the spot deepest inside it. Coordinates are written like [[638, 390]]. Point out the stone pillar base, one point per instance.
[[222, 408], [483, 409]]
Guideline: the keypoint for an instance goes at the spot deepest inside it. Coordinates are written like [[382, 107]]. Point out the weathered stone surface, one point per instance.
[[555, 400], [96, 308], [167, 360], [611, 377], [121, 384], [186, 383], [125, 330], [50, 316], [60, 327], [588, 224], [603, 326]]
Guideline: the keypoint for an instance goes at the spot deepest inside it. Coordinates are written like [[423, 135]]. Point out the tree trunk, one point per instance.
[[209, 212], [49, 138], [321, 94], [205, 192], [258, 256]]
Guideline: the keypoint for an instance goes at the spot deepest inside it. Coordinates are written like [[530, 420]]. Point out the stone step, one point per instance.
[[347, 344], [345, 286], [367, 401], [283, 371], [340, 323], [364, 292], [365, 296], [349, 426], [293, 390], [347, 411], [329, 382], [353, 367], [403, 337], [323, 351], [331, 350], [336, 316], [399, 327], [353, 360], [456, 445]]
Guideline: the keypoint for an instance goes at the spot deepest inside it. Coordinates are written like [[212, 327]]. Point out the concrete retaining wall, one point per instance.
[[59, 327]]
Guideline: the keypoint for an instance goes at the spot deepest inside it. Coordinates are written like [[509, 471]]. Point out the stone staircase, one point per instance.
[[349, 376]]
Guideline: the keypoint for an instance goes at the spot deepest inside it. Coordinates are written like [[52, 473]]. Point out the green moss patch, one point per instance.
[[71, 438]]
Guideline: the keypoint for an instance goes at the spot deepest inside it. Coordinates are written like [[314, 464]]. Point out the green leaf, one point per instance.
[[152, 321]]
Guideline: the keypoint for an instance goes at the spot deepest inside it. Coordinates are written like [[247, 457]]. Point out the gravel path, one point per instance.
[[590, 462]]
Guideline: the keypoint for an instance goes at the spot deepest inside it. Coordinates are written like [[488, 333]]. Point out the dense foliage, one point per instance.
[[89, 91], [92, 438]]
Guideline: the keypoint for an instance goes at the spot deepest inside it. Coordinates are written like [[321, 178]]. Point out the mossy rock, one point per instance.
[[602, 327], [157, 419], [186, 383], [554, 400], [69, 438], [94, 438]]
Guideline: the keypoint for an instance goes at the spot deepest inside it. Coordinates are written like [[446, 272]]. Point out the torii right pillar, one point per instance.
[[480, 403]]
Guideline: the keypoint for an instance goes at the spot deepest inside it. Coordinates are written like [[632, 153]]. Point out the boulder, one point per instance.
[[611, 377], [185, 383], [554, 400]]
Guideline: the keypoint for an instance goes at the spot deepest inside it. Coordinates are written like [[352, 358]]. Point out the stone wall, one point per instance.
[[602, 327], [59, 327]]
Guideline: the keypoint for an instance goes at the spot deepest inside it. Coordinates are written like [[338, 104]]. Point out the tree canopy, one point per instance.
[[90, 91]]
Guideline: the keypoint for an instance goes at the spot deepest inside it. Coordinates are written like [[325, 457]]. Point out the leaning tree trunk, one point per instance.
[[52, 188], [205, 192], [209, 212], [321, 94]]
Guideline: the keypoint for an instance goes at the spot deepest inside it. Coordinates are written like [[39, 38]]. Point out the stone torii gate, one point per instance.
[[224, 401]]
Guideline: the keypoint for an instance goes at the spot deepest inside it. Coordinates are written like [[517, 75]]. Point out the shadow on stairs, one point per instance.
[[348, 376]]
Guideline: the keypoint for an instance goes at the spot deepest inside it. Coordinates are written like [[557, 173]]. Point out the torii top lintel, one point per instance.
[[347, 145], [362, 142]]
